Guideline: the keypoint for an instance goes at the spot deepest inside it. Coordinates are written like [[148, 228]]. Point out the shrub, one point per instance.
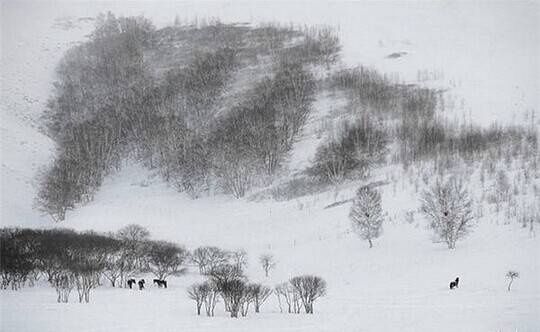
[[359, 149]]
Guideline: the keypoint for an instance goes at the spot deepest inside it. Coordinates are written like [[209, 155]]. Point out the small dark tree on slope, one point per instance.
[[309, 289], [267, 263], [367, 214], [511, 275], [449, 209]]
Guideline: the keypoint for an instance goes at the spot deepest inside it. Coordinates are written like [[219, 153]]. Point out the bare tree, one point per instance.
[[133, 238], [239, 258], [267, 263], [309, 289], [234, 293], [197, 293], [133, 233], [247, 298], [260, 295], [63, 283], [211, 292], [366, 214], [290, 295], [230, 282], [511, 275], [449, 209], [166, 259], [209, 258]]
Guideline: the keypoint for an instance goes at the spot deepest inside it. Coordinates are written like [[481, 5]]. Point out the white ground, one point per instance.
[[400, 284], [488, 56]]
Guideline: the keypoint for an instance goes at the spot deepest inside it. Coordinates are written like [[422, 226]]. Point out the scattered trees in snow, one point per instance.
[[267, 263], [229, 282], [511, 275], [367, 214], [449, 209]]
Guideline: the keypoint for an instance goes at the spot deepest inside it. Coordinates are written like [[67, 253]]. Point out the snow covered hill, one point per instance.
[[490, 70], [400, 284]]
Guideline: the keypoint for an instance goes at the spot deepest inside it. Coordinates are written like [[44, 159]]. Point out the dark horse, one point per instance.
[[160, 283], [141, 284], [454, 284], [130, 283]]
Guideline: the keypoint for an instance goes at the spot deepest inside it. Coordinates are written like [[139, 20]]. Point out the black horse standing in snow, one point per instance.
[[160, 283], [130, 283], [454, 284]]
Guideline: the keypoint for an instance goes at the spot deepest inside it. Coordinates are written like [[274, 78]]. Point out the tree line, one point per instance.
[[70, 260]]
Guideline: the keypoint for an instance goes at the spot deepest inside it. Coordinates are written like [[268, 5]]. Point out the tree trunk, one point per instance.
[[370, 243], [510, 284]]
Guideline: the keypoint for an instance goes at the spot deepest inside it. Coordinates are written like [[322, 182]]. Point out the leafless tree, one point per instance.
[[247, 298], [63, 283], [197, 293], [133, 234], [211, 292], [367, 214], [239, 258], [511, 275], [209, 258], [290, 295], [260, 295], [234, 294], [166, 259], [449, 209], [231, 283], [309, 289], [267, 263]]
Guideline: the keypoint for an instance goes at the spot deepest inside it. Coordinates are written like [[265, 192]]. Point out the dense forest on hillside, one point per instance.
[[218, 107]]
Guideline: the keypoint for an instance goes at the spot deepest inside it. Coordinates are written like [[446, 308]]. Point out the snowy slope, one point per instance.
[[400, 284]]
